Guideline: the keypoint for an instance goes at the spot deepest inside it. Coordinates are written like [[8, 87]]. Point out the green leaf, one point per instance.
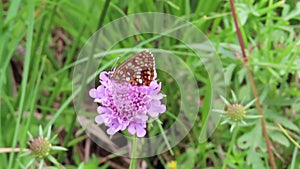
[[53, 160], [187, 160], [228, 73], [284, 121], [294, 13], [30, 163], [254, 159], [58, 148], [93, 163], [76, 140], [243, 12], [280, 138], [41, 131], [252, 139]]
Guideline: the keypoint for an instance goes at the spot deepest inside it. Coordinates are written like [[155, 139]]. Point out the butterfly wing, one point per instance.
[[137, 70]]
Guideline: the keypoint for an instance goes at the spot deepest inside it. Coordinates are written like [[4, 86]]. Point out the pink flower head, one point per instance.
[[126, 106]]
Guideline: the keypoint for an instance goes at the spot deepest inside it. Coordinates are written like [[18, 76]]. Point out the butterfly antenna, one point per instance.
[[116, 60]]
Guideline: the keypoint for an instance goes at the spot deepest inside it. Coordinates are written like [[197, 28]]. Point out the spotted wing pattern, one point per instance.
[[138, 70]]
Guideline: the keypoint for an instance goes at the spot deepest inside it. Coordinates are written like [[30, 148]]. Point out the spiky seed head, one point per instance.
[[40, 147], [236, 112]]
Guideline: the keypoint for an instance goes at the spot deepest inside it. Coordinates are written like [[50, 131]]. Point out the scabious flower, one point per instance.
[[126, 106]]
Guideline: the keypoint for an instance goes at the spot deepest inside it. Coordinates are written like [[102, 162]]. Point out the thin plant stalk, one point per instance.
[[165, 137], [8, 150], [232, 142], [253, 86], [287, 134], [133, 161]]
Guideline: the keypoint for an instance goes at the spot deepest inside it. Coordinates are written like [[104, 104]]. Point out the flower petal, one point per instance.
[[140, 118], [156, 108], [94, 93], [111, 131], [104, 76], [126, 106], [154, 87], [157, 96], [131, 129], [102, 110], [99, 119], [140, 132]]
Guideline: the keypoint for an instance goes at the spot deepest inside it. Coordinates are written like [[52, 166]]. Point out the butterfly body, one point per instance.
[[137, 70]]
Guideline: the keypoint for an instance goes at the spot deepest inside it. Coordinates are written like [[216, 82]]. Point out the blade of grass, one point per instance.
[[43, 43], [69, 57], [294, 158], [25, 78], [36, 70], [32, 103], [69, 100], [13, 10]]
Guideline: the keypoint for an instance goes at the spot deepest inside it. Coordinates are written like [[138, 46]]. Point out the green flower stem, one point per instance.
[[164, 136], [234, 135], [133, 161]]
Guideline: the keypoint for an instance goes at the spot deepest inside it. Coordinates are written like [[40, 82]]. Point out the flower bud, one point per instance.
[[40, 147], [236, 112]]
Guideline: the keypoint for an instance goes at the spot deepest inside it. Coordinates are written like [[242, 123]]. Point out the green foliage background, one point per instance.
[[40, 40]]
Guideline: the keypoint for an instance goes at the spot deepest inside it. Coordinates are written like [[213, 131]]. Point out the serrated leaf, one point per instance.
[[251, 139], [288, 124], [280, 138], [254, 159]]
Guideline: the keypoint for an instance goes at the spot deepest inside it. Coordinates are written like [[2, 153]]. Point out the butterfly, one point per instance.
[[137, 70]]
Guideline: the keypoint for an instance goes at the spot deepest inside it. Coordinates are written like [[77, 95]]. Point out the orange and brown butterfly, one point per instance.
[[138, 70]]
